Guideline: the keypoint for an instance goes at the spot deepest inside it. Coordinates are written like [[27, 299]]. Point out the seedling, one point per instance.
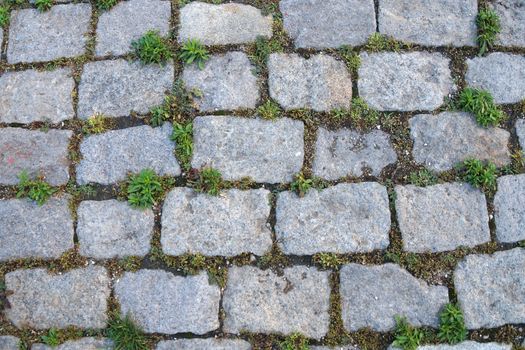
[[194, 52], [481, 104], [489, 25], [43, 5], [422, 178], [105, 5], [301, 185], [51, 338], [37, 190], [407, 337], [151, 48], [183, 137], [175, 106], [269, 110], [329, 260], [126, 335], [481, 175], [352, 59], [96, 124], [452, 328], [144, 189], [209, 181], [295, 341]]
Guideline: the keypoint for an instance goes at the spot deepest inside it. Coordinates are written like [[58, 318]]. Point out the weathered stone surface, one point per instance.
[[441, 217], [491, 288], [223, 24], [512, 19], [320, 83], [109, 229], [81, 344], [520, 131], [40, 300], [371, 297], [466, 345], [118, 87], [345, 218], [444, 140], [261, 301], [328, 23], [36, 152], [509, 208], [501, 74], [32, 231], [390, 81], [109, 157], [227, 82], [161, 302], [230, 224], [30, 96], [128, 21], [349, 153], [200, 344], [8, 342], [430, 22], [266, 151], [36, 36]]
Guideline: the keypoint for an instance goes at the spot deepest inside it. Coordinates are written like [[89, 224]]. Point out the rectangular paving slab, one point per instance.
[[509, 208], [201, 344]]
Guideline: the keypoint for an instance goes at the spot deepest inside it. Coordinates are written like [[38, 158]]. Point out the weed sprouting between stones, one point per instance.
[[329, 260], [351, 58], [407, 337], [105, 5], [295, 341], [489, 25], [144, 189], [452, 328], [269, 110], [183, 137], [51, 338], [151, 48], [378, 42], [207, 180], [301, 185], [4, 16], [193, 51], [37, 190], [481, 104], [423, 178], [480, 174], [126, 335], [43, 5], [97, 124], [176, 106], [261, 50]]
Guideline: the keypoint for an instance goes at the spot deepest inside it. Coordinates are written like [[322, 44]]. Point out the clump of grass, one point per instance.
[[130, 263], [480, 174], [43, 5], [351, 58], [126, 335], [183, 137], [262, 49], [51, 338], [301, 184], [144, 189], [105, 5], [407, 337], [4, 16], [422, 178], [269, 110], [452, 328], [151, 48], [329, 260], [295, 341], [481, 104], [489, 25], [193, 51], [37, 190], [96, 124], [361, 113], [208, 181], [176, 106], [378, 42]]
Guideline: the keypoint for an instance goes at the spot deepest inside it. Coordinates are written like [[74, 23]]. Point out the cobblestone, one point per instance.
[[8, 342], [520, 131], [466, 345], [512, 18], [81, 344], [509, 204], [199, 344]]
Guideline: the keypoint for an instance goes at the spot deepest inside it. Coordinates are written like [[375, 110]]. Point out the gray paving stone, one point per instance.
[[8, 342], [347, 152], [109, 229], [118, 87], [346, 218], [109, 157], [491, 288], [501, 74], [390, 81], [36, 152], [345, 347], [200, 344], [466, 345], [266, 151], [430, 22], [41, 300], [223, 24], [371, 296], [128, 21], [30, 96], [81, 344], [509, 208], [520, 131], [227, 82], [36, 36], [260, 301], [323, 24], [227, 225], [1, 35], [320, 83], [161, 302], [32, 231], [512, 22], [444, 140], [441, 217]]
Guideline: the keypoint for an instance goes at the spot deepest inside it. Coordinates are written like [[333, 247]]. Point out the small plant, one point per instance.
[[51, 338], [130, 263], [329, 260], [301, 184], [422, 178], [194, 52], [144, 189], [360, 112], [126, 335], [295, 341], [43, 5], [175, 106], [151, 48], [481, 104], [37, 190], [4, 16], [452, 328], [352, 59], [489, 26], [269, 110], [261, 51], [378, 42], [407, 337], [105, 5], [96, 124], [479, 174], [183, 137], [209, 181]]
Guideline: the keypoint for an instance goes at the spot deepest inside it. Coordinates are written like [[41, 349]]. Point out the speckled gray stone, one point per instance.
[[223, 24], [501, 74], [32, 231], [265, 151], [81, 344], [36, 152], [346, 218], [441, 217], [512, 18], [227, 225], [8, 342], [466, 345], [442, 141], [107, 158], [390, 81], [227, 82], [128, 21], [30, 96], [509, 208], [430, 22], [341, 347], [320, 83], [491, 288], [261, 301], [118, 87], [161, 302], [371, 296], [36, 36], [347, 152], [520, 131], [41, 300], [109, 229], [201, 344], [323, 24]]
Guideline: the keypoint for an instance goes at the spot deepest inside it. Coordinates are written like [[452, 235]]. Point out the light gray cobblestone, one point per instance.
[[81, 344], [520, 131], [8, 342], [466, 345], [201, 344], [512, 18], [509, 208]]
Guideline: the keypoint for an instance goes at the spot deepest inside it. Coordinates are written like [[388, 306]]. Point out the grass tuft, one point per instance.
[[176, 106], [151, 48], [97, 124], [378, 42], [489, 25], [144, 189], [407, 337], [4, 16], [301, 184], [329, 260], [126, 335], [294, 341], [43, 5], [193, 51], [422, 178], [183, 137], [105, 5], [262, 49], [480, 174], [481, 104], [269, 110], [51, 338], [37, 190], [208, 181], [452, 328], [351, 58]]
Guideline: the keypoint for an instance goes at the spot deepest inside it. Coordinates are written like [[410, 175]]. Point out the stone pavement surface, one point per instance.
[[310, 180]]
